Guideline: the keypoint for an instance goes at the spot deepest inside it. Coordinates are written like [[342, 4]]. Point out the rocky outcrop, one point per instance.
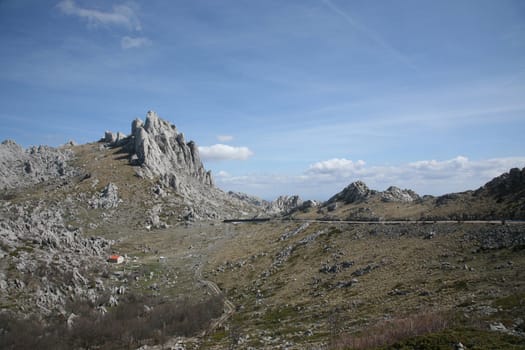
[[107, 199], [395, 194], [358, 192], [507, 184], [285, 204], [21, 168], [114, 139], [355, 192], [161, 151]]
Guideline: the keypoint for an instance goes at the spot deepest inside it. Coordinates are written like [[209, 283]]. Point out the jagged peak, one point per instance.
[[162, 152]]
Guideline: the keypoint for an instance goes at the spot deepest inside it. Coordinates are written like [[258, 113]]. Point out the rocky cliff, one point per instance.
[[161, 151]]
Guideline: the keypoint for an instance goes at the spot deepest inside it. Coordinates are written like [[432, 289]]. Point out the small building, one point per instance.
[[116, 259]]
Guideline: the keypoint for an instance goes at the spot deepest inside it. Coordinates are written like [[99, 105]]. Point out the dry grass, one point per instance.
[[388, 332]]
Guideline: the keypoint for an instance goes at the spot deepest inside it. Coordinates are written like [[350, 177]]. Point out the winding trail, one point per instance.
[[229, 308]]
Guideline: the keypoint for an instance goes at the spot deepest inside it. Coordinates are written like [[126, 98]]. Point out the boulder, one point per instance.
[[108, 198]]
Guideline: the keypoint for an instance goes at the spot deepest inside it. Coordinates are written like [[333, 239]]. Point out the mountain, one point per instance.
[[56, 203]]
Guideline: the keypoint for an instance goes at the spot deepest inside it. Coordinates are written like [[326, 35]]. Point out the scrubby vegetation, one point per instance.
[[132, 323]]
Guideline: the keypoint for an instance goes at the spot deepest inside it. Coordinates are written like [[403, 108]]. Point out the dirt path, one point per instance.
[[229, 308]]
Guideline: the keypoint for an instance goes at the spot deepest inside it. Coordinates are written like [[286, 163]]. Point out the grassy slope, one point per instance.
[[294, 301]]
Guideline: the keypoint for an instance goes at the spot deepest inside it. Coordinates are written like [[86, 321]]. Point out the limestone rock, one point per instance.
[[355, 192], [395, 194], [285, 204], [56, 256], [108, 198], [161, 150], [510, 183], [20, 168]]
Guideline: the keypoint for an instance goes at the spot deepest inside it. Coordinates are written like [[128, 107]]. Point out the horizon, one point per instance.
[[282, 98]]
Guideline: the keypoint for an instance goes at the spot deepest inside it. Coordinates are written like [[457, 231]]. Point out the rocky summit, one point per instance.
[[124, 243], [162, 152]]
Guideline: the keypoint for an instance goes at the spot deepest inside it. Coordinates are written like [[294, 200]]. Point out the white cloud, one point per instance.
[[323, 179], [224, 152], [121, 15], [132, 43], [336, 166], [224, 138]]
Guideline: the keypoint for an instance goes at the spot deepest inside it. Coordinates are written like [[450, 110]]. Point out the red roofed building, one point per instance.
[[116, 259]]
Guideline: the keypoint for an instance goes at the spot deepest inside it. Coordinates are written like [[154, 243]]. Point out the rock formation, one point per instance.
[[507, 184], [285, 204], [21, 168], [162, 152], [106, 199], [281, 206], [355, 192], [395, 194]]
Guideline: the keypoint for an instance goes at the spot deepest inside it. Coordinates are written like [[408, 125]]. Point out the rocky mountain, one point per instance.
[[279, 283], [56, 202], [157, 151], [161, 151]]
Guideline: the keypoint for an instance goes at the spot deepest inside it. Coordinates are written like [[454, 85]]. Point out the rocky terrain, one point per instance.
[[332, 275], [21, 168]]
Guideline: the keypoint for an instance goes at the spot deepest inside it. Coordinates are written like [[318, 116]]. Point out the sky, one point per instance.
[[282, 96]]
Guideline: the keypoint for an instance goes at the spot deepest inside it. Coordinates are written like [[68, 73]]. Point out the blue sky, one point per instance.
[[283, 97]]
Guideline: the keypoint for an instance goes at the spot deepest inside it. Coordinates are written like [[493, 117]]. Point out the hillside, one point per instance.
[[303, 280]]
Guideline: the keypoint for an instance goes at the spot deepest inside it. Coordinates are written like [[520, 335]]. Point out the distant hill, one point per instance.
[[502, 198]]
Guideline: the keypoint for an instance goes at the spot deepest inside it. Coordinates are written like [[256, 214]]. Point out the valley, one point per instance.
[[206, 269]]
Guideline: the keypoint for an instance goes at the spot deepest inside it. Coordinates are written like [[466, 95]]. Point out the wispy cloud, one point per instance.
[[224, 152], [134, 42], [374, 37], [120, 15]]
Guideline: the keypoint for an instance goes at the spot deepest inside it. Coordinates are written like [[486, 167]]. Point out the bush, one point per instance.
[[391, 331], [125, 326]]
